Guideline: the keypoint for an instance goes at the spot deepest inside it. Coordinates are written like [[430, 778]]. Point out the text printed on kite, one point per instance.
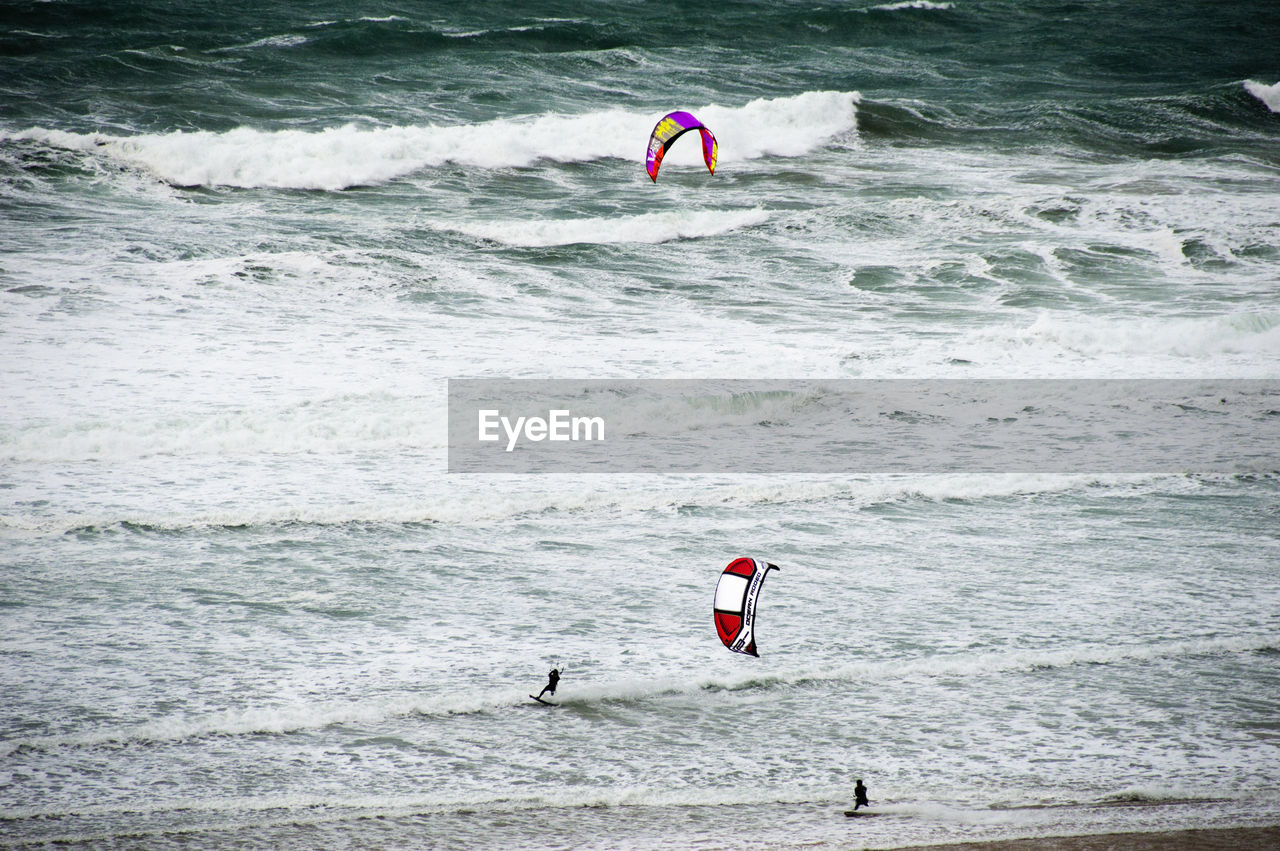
[[734, 610], [672, 126]]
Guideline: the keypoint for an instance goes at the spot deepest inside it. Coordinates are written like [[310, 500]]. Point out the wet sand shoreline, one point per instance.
[[1211, 839]]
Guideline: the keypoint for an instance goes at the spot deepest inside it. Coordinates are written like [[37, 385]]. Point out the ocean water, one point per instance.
[[244, 246]]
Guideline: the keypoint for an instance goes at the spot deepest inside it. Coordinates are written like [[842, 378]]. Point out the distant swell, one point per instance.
[[465, 505], [270, 720], [647, 228], [981, 664]]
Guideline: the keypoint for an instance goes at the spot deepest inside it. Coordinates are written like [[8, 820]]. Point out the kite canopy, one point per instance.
[[735, 607], [672, 126]]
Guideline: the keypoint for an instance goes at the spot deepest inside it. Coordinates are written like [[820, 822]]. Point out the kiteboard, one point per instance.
[[544, 702], [856, 814]]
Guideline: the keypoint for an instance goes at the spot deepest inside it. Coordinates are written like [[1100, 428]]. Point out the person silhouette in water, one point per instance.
[[553, 679], [860, 795]]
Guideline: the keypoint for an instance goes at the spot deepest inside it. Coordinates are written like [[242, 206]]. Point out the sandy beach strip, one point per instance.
[[1218, 839]]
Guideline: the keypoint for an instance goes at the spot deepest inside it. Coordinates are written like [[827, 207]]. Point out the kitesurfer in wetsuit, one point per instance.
[[552, 679], [860, 795]]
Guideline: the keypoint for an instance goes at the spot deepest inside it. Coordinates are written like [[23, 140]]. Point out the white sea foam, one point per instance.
[[1059, 344], [1252, 333], [913, 4], [286, 718], [1270, 95], [353, 155], [364, 422], [645, 228]]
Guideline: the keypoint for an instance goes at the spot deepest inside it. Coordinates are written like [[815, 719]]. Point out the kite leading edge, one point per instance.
[[672, 126]]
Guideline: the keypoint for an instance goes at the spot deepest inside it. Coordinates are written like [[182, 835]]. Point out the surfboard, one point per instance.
[[856, 814], [544, 702]]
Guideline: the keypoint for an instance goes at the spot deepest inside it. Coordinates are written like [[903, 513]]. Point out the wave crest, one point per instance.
[[352, 155], [1270, 95]]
